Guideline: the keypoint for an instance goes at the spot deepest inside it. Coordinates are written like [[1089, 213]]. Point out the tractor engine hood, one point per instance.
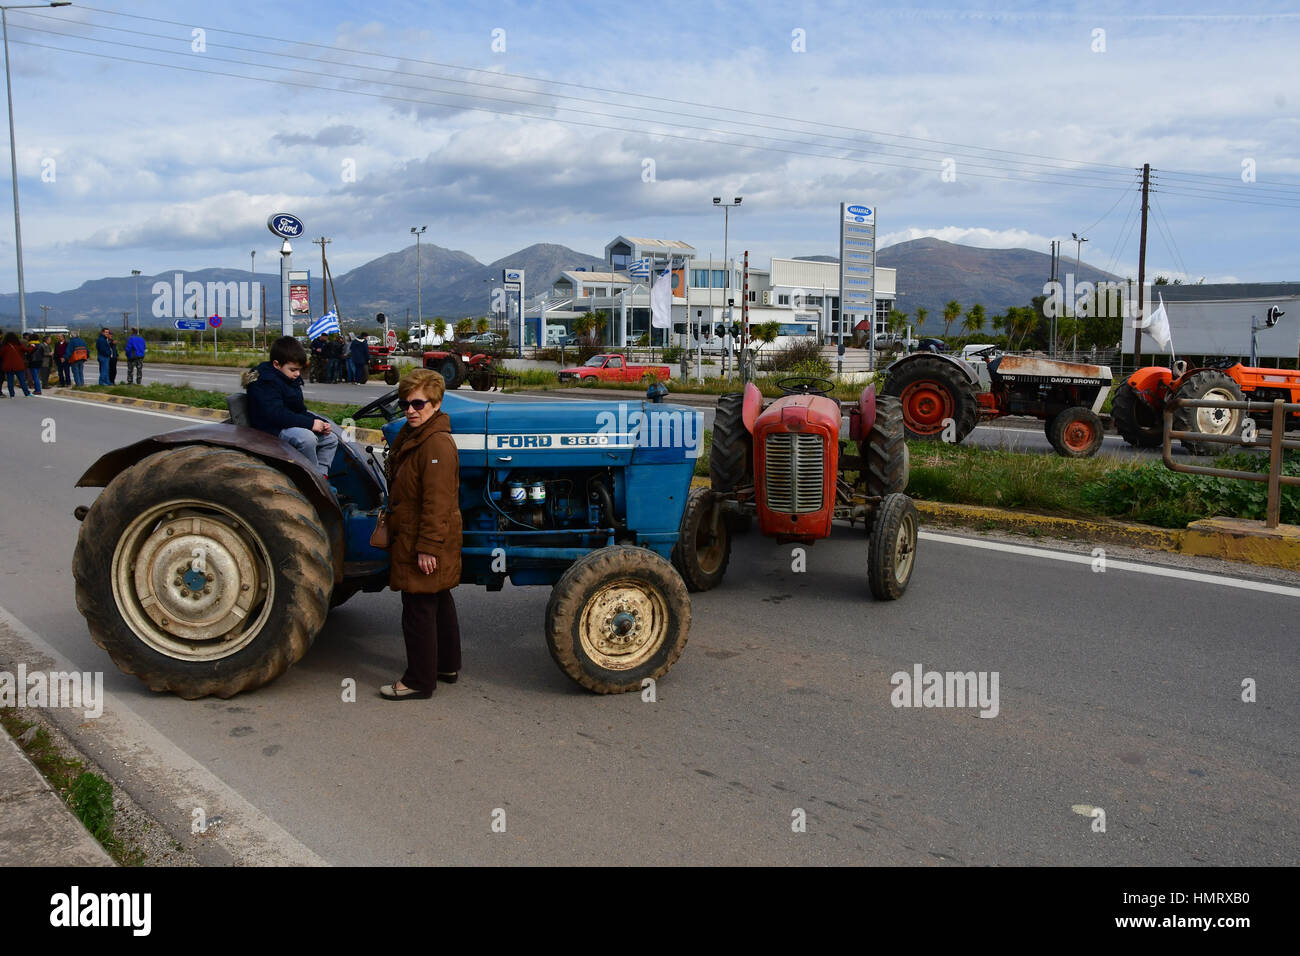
[[1020, 368]]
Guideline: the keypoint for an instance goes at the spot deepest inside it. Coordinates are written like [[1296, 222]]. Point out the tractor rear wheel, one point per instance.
[[616, 617], [452, 370], [731, 456], [1076, 432], [1137, 422], [885, 451], [1217, 386], [892, 547], [391, 376], [933, 392], [203, 571], [703, 546], [480, 379]]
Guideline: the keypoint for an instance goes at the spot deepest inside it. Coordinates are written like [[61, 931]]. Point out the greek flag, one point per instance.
[[639, 268], [327, 323]]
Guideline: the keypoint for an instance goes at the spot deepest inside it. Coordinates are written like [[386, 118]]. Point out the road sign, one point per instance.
[[390, 338], [189, 325], [215, 321]]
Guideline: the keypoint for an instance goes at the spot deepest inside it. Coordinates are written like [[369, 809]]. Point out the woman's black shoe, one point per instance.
[[449, 677]]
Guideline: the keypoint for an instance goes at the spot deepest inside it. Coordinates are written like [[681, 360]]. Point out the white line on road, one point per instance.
[[1067, 556], [246, 833], [124, 408]]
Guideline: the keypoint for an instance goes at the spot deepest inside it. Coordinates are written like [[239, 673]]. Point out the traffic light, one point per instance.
[[381, 318]]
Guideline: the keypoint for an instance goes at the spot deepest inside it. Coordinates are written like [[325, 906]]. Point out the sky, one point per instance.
[[498, 125]]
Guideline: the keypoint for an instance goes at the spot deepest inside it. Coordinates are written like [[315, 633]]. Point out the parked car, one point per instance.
[[929, 345], [613, 368], [487, 340]]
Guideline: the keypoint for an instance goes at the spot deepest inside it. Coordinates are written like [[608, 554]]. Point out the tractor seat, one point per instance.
[[237, 404]]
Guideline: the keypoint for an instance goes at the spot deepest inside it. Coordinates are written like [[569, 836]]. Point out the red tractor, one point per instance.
[[480, 369], [789, 464], [380, 362], [1139, 406]]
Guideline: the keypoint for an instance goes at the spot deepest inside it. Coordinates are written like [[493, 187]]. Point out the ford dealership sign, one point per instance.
[[285, 226]]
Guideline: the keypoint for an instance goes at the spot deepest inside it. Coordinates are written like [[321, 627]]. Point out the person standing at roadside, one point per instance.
[[425, 523], [13, 362], [112, 358], [61, 361], [135, 349], [361, 359], [35, 361], [78, 353], [104, 353]]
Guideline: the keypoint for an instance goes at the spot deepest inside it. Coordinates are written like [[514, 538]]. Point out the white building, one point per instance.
[[802, 295]]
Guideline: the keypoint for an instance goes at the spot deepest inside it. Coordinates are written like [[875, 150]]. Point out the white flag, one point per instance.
[[1157, 325], [661, 301]]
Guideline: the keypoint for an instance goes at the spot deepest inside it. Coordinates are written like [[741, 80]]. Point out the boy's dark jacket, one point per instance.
[[275, 401]]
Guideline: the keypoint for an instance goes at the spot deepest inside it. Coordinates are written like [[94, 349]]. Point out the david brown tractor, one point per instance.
[[943, 397], [208, 563], [788, 464]]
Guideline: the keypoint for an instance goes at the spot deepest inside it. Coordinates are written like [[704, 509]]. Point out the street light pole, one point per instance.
[[136, 274], [1078, 262], [419, 302], [726, 265], [252, 280], [13, 149]]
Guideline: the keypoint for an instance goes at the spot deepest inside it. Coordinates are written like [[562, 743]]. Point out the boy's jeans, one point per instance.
[[317, 448]]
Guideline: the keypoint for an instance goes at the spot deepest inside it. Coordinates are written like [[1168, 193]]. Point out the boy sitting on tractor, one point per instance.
[[276, 406]]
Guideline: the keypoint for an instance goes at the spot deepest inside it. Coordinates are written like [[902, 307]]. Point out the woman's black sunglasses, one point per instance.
[[416, 403]]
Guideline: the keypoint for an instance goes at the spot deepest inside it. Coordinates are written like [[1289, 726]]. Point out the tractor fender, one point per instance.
[[860, 424], [751, 405], [279, 455], [1152, 384], [966, 368]]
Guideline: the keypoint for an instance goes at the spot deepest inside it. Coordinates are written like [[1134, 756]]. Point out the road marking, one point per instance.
[[1111, 564], [179, 782], [138, 411]]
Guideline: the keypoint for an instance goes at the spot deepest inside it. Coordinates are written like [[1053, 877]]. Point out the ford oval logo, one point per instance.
[[859, 211], [512, 276], [285, 226]]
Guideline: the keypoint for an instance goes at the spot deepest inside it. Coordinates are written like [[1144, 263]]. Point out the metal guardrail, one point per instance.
[[1278, 441]]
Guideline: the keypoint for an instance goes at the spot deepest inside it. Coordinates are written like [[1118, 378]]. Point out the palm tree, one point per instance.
[[464, 327], [440, 327], [920, 318], [583, 325], [974, 319], [897, 321], [950, 313], [598, 323], [482, 325]]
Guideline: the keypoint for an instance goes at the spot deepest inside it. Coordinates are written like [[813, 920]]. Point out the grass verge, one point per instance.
[[88, 794]]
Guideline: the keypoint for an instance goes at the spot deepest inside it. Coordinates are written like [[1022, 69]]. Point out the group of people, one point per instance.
[[340, 360], [29, 361], [423, 504]]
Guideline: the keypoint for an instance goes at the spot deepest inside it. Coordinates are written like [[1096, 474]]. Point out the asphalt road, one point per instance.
[[1119, 690], [1012, 435]]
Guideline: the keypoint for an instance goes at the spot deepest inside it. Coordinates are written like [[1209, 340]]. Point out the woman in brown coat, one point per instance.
[[423, 494]]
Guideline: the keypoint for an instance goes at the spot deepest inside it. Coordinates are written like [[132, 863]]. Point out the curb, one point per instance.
[[219, 415]]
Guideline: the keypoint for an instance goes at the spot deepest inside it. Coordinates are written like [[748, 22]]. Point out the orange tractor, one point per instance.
[[1139, 406]]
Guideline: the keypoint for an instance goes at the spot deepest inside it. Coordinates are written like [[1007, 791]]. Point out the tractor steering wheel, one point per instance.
[[805, 385], [385, 406]]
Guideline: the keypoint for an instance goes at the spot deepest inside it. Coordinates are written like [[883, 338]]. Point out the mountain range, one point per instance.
[[454, 284]]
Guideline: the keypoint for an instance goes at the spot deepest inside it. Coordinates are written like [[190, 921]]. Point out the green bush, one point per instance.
[[91, 799], [671, 354]]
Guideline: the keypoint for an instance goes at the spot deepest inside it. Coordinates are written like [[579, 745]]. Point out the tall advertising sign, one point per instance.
[[858, 269]]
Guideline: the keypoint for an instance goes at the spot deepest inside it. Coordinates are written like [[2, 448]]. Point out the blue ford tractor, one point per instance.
[[209, 561]]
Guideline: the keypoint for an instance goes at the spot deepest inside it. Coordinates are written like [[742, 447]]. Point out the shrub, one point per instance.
[[786, 359]]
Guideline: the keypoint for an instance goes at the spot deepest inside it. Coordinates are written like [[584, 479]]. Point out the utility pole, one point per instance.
[[252, 268], [136, 274], [419, 302], [45, 317], [324, 290], [1142, 270], [1078, 277]]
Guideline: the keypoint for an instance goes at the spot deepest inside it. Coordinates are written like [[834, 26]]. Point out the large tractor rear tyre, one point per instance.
[[391, 377], [1137, 422], [892, 547], [203, 571], [1076, 432], [452, 370], [933, 392], [885, 450], [703, 547], [731, 456], [1217, 386], [616, 617]]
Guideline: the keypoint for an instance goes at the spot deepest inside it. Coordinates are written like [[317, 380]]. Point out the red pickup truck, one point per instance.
[[613, 368]]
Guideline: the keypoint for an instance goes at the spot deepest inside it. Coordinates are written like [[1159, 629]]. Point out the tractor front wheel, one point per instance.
[[892, 547], [1211, 385], [1075, 432], [203, 571], [616, 617], [391, 376], [1137, 422], [703, 546]]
